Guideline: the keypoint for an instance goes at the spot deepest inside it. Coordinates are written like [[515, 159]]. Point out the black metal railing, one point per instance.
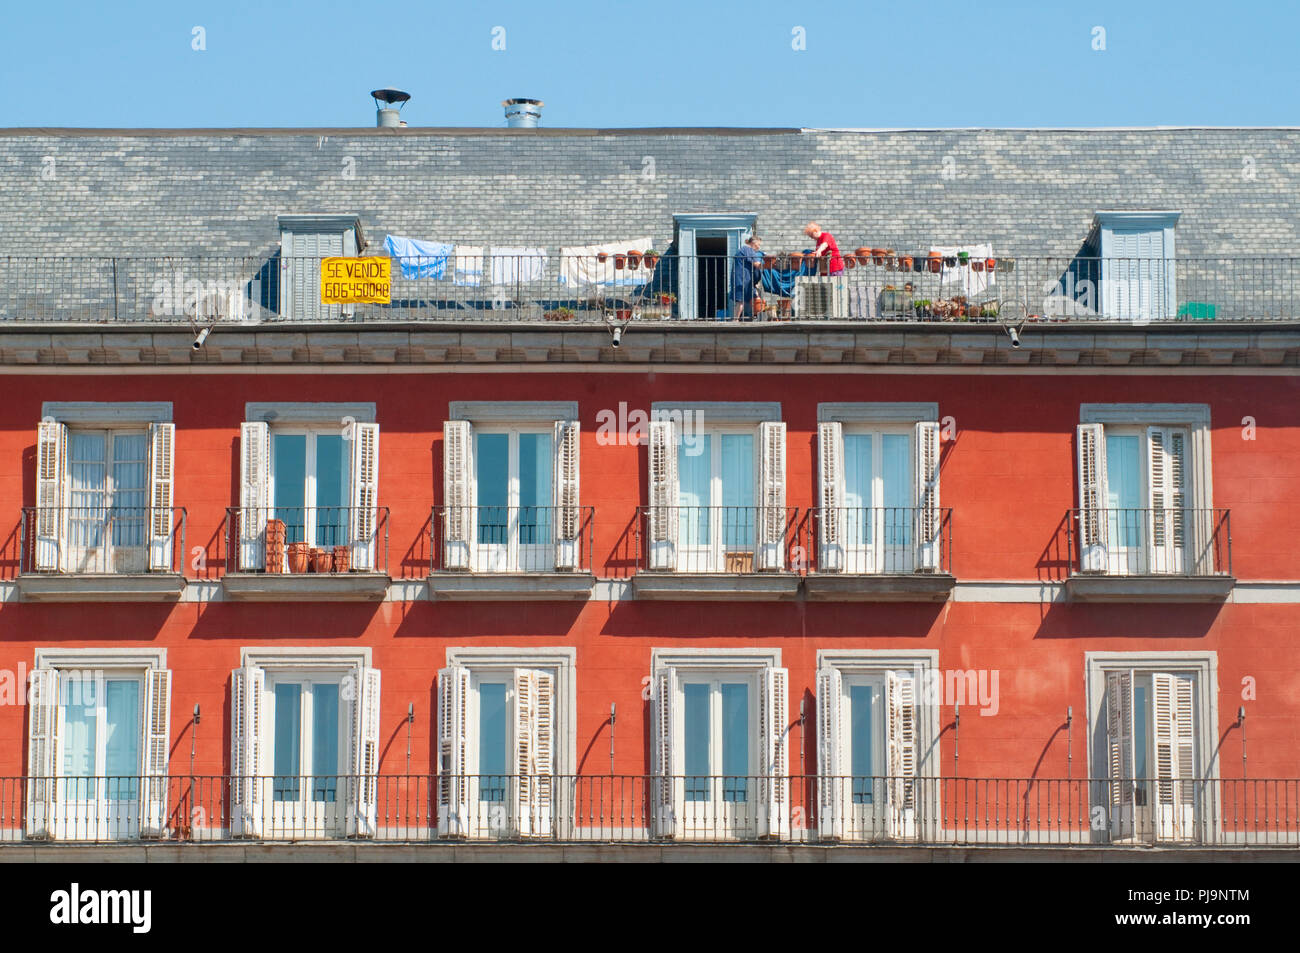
[[1159, 541], [488, 539], [541, 808], [102, 539], [306, 539], [718, 539], [886, 286], [881, 539]]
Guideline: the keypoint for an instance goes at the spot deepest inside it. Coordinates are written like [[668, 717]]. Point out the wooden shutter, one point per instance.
[[363, 796], [162, 439], [929, 529], [453, 786], [51, 488], [663, 491], [567, 515], [771, 493], [900, 689], [525, 690], [254, 481], [157, 750], [247, 794], [1091, 440], [1175, 751], [830, 523], [1120, 752], [42, 752], [457, 493], [663, 787], [834, 791], [543, 753], [1167, 478], [365, 496], [774, 785]]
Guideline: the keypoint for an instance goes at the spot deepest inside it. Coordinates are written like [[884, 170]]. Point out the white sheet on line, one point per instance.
[[579, 264]]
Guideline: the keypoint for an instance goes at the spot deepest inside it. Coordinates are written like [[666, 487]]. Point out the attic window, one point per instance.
[[304, 241], [1136, 249]]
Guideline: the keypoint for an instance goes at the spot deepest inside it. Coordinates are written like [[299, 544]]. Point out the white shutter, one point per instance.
[[833, 790], [453, 786], [362, 788], [157, 750], [543, 754], [929, 528], [1167, 478], [1174, 736], [774, 747], [254, 479], [663, 491], [525, 701], [1092, 498], [42, 751], [900, 689], [51, 452], [567, 515], [162, 439], [1120, 752], [365, 496], [830, 525], [247, 794], [771, 493], [457, 493], [663, 786]]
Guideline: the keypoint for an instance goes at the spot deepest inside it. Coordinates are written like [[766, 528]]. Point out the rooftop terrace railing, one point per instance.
[[552, 288]]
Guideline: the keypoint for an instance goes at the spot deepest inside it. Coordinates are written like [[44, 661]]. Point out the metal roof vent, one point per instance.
[[388, 105], [523, 113]]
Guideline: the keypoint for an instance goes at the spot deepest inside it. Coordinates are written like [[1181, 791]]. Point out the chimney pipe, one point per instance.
[[523, 113], [388, 107]]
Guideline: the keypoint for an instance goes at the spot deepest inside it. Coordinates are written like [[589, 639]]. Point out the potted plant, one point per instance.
[[342, 558], [623, 314], [602, 257], [850, 261], [322, 560], [878, 256], [558, 314], [905, 262], [935, 262], [650, 257], [863, 255], [890, 259], [633, 260], [990, 263], [977, 265], [783, 306], [963, 258], [666, 298], [275, 536], [1006, 264], [299, 557], [620, 261], [949, 261], [922, 308], [796, 260]]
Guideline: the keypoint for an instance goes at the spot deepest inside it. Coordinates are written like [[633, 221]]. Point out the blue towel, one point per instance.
[[781, 282], [419, 259]]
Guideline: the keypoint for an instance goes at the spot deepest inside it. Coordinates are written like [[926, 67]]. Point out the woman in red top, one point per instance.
[[825, 246]]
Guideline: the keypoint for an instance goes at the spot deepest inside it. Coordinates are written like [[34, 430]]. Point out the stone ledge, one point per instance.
[[892, 587], [1100, 587], [305, 587], [101, 587], [716, 587], [510, 586]]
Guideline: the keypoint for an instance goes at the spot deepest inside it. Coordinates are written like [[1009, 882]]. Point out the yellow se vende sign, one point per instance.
[[356, 281]]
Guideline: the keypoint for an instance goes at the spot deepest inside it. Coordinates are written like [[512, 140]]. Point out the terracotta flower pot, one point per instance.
[[890, 259], [651, 259], [850, 261], [878, 256], [935, 262], [299, 557], [322, 560], [275, 536], [620, 261], [634, 260], [342, 558], [602, 257], [623, 314], [769, 261], [783, 306], [796, 261], [977, 265], [990, 263], [863, 255], [905, 262], [759, 305]]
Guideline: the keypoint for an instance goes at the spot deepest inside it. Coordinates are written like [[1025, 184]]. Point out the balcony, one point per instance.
[[102, 554], [881, 554], [540, 809], [721, 553], [511, 553], [1149, 555], [556, 292], [306, 554]]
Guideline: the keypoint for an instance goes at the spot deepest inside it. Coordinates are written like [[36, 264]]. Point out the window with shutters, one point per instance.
[[98, 745], [504, 741], [305, 744], [304, 241], [720, 739], [1155, 715], [1138, 269], [877, 730]]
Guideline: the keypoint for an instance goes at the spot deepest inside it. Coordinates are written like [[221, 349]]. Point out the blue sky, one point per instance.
[[660, 63]]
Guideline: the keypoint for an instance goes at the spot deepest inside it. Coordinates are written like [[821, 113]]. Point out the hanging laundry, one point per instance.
[[511, 266], [419, 259], [965, 280], [580, 264], [468, 268]]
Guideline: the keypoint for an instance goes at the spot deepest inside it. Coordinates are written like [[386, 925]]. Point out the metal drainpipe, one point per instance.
[[612, 713], [410, 720], [1069, 742]]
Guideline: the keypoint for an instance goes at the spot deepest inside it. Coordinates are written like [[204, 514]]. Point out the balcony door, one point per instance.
[[309, 745], [108, 501], [1146, 494], [719, 746], [309, 485], [878, 489], [716, 529], [513, 478], [99, 730], [706, 244]]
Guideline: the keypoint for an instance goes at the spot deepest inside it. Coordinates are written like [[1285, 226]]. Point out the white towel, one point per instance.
[[966, 281], [579, 264], [469, 265], [517, 265]]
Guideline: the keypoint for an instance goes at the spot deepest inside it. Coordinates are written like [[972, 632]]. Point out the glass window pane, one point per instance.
[[696, 729], [288, 740], [857, 488], [1123, 489], [88, 484], [122, 738], [1140, 740], [861, 742], [492, 482], [738, 490], [535, 487], [78, 700], [130, 466], [492, 741], [896, 477], [289, 466], [332, 468], [324, 741], [735, 741], [694, 471]]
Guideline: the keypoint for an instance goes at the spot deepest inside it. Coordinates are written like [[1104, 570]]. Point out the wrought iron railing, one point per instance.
[[103, 539], [1030, 812], [889, 286], [881, 539], [502, 539], [1159, 541], [306, 539], [718, 539]]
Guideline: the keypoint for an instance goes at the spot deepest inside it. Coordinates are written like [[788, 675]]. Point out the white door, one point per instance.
[[108, 501], [862, 721], [309, 486], [514, 517], [308, 719], [716, 512], [490, 778], [98, 788], [878, 489], [718, 745], [1126, 515]]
